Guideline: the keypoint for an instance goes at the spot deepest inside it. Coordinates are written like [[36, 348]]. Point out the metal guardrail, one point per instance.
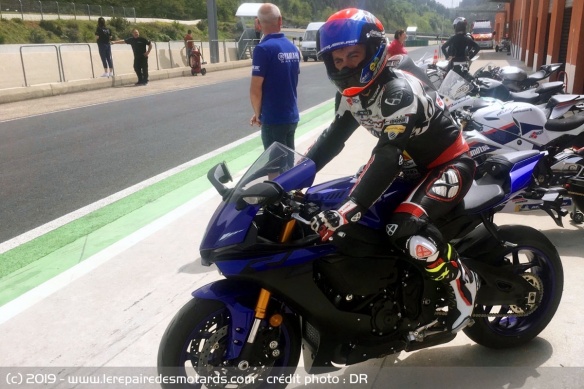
[[25, 57], [63, 8], [60, 70], [60, 58]]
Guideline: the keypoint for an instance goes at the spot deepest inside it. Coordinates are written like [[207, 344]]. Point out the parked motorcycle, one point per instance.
[[488, 81], [435, 74], [495, 127], [517, 79], [352, 298], [541, 94], [503, 45]]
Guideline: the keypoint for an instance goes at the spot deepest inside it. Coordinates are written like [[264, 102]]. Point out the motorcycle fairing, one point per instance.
[[518, 125], [332, 194], [343, 337], [229, 226], [232, 293]]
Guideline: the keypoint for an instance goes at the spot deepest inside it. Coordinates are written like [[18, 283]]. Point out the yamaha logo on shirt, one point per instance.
[[289, 57]]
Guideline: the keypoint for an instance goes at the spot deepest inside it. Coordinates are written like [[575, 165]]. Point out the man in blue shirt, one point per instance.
[[275, 69]]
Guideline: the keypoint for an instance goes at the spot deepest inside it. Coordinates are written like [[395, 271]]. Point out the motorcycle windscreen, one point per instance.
[[454, 88], [278, 163]]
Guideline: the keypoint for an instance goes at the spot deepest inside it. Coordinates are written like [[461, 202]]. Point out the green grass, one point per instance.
[[13, 30]]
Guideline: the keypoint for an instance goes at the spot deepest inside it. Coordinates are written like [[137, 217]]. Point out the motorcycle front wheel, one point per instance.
[[536, 259], [193, 349]]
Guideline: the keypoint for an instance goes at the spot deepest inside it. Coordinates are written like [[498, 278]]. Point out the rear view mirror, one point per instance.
[[219, 175], [262, 193]]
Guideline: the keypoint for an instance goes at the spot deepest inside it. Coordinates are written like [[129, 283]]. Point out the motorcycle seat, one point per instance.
[[539, 75], [493, 173], [532, 96], [474, 200], [548, 87], [565, 124], [528, 96], [559, 99]]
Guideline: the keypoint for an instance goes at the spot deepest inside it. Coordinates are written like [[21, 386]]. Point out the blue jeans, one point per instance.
[[105, 53], [283, 133]]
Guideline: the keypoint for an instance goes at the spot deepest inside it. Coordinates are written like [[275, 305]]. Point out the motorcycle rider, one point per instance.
[[409, 123], [460, 47]]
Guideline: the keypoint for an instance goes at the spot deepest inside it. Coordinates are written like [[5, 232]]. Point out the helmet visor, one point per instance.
[[337, 34]]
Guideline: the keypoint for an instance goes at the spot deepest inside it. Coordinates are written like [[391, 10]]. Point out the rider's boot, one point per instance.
[[461, 284]]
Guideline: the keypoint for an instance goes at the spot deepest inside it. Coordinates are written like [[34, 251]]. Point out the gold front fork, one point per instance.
[[262, 304], [260, 314], [287, 231]]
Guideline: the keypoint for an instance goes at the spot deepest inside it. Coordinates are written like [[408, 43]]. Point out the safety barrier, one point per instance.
[[26, 65]]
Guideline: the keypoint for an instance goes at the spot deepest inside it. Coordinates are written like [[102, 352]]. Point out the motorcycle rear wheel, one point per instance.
[[547, 274], [199, 333]]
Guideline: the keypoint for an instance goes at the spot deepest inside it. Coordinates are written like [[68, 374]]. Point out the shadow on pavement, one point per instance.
[[465, 366]]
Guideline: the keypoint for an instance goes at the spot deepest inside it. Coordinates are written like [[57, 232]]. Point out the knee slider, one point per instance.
[[422, 248], [415, 236]]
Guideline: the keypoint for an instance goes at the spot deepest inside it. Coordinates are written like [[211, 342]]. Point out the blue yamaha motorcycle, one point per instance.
[[354, 297]]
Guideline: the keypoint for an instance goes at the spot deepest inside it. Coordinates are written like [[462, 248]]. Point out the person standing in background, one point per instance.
[[460, 47], [139, 46], [104, 36], [189, 46], [397, 45], [275, 69], [258, 30]]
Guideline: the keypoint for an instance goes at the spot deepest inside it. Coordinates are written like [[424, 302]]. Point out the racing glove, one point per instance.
[[326, 223]]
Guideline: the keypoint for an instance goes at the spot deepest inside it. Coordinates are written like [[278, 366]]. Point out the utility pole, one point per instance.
[[212, 27]]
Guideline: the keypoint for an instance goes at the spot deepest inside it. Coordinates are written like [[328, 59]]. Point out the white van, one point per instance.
[[483, 34], [308, 43]]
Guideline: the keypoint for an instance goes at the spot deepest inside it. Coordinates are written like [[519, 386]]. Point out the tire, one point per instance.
[[305, 59], [201, 320], [203, 71], [496, 49], [506, 331]]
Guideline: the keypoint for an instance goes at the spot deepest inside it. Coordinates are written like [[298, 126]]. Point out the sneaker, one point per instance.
[[461, 297], [139, 83], [105, 75], [145, 83]]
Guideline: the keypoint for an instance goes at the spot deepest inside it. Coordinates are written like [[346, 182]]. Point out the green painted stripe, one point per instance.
[[32, 263]]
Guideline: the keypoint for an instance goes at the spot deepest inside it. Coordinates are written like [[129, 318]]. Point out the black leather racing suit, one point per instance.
[[410, 124], [460, 47]]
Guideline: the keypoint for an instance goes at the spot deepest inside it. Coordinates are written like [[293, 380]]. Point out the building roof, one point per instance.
[[248, 9]]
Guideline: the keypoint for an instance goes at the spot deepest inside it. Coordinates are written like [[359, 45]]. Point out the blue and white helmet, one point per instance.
[[350, 27]]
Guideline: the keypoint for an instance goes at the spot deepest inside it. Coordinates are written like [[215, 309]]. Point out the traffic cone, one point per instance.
[[435, 56]]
